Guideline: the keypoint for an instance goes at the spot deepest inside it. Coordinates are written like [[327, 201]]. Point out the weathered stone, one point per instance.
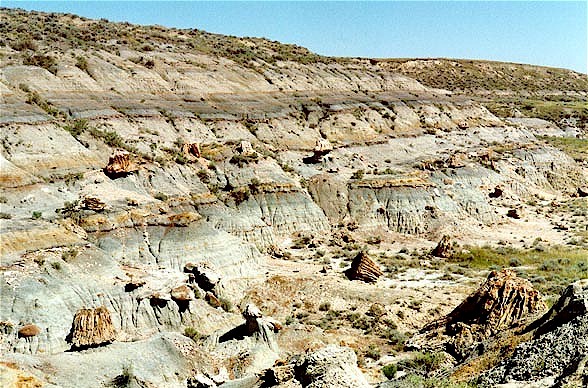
[[583, 191], [514, 213], [91, 327], [119, 165], [444, 248], [28, 331], [331, 366], [364, 268], [182, 293], [204, 275], [572, 303], [212, 299]]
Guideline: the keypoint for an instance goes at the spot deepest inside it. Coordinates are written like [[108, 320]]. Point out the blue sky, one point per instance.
[[536, 32]]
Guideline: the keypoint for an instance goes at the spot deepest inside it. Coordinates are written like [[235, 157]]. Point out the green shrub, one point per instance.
[[357, 174], [46, 62], [82, 64], [193, 334], [390, 371], [373, 352], [160, 196], [36, 215]]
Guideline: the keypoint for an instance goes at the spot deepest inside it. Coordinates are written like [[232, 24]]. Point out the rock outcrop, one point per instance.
[[444, 248], [558, 354], [204, 275], [364, 268], [119, 165], [572, 303], [502, 302], [91, 327], [331, 366]]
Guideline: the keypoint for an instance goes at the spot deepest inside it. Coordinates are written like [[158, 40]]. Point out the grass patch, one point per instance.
[[574, 147], [549, 269]]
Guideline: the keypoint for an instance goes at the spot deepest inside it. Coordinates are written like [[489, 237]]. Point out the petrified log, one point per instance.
[[444, 248], [191, 149], [28, 331], [93, 203], [363, 268], [119, 165], [91, 327], [501, 302]]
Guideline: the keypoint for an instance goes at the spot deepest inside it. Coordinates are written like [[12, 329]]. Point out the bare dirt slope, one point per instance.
[[133, 154]]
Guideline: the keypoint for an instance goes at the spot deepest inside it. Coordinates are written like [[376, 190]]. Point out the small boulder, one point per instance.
[[182, 293], [496, 193], [514, 213], [28, 331]]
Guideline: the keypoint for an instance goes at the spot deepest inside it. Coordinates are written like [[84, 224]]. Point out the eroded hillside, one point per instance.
[[131, 155]]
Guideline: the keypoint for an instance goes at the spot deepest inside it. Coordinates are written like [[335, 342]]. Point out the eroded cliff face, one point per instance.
[[225, 171]]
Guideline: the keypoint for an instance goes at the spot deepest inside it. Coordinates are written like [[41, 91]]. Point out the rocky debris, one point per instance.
[[200, 381], [93, 203], [572, 303], [246, 149], [364, 268], [331, 366], [463, 125], [502, 302], [278, 375], [554, 358], [204, 275], [456, 160], [444, 248], [29, 330], [496, 193], [91, 327], [119, 165], [191, 149]]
